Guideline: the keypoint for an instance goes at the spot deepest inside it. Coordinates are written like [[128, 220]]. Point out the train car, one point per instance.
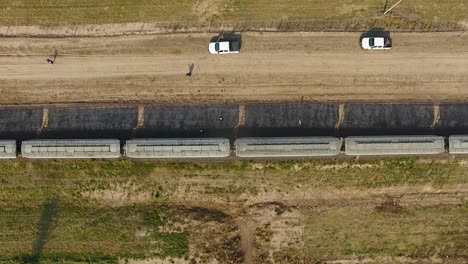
[[458, 144], [71, 149], [178, 148], [287, 147], [8, 149], [394, 145]]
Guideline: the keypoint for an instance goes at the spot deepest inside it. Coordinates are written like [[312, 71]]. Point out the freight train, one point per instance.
[[188, 148]]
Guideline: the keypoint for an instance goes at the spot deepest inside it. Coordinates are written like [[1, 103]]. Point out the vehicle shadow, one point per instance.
[[377, 32], [49, 212]]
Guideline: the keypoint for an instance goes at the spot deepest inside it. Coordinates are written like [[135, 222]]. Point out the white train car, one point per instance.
[[8, 149], [287, 147], [178, 148], [458, 144], [394, 145], [71, 149]]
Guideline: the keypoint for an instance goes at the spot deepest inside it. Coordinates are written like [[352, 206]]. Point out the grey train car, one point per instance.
[[458, 144], [394, 145], [288, 147], [8, 149], [71, 149], [178, 148]]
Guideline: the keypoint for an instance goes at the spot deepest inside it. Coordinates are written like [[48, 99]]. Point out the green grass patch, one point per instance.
[[26, 184], [62, 259], [97, 211], [90, 234], [172, 244], [372, 173]]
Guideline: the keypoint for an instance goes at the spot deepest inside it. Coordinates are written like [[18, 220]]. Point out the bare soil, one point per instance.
[[270, 67], [247, 235]]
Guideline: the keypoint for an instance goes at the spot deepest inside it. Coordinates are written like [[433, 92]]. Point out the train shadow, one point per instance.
[[285, 132], [189, 133]]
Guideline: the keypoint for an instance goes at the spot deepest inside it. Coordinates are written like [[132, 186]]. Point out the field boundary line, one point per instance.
[[391, 23]]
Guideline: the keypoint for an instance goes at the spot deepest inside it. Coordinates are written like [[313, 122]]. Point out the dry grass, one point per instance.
[[417, 232], [97, 211], [74, 12], [438, 10]]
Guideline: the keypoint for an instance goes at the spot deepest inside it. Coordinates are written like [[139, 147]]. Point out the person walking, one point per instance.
[[55, 57], [190, 71]]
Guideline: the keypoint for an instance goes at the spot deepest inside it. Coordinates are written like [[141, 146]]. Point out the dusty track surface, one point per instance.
[[271, 67]]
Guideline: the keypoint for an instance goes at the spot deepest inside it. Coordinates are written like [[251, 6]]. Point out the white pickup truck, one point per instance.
[[379, 43], [225, 45]]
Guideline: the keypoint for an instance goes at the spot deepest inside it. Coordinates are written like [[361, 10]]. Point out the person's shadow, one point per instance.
[[190, 71]]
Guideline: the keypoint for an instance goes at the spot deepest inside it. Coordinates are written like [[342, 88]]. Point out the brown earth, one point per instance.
[[279, 222], [270, 67]]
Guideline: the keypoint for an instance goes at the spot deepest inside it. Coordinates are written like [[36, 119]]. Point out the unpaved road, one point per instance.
[[271, 67]]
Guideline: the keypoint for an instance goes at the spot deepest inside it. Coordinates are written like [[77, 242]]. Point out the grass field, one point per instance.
[[97, 211], [75, 12]]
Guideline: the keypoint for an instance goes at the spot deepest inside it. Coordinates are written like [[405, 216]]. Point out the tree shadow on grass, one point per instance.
[[49, 211]]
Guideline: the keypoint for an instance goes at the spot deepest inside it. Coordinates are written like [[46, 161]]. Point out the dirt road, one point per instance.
[[271, 67]]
